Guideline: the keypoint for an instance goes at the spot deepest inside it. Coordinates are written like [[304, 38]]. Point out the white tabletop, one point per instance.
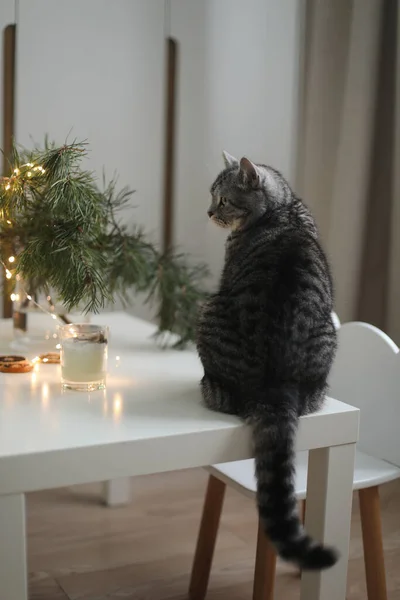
[[150, 418]]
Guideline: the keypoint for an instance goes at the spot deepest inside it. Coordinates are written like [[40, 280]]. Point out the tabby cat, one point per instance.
[[266, 338]]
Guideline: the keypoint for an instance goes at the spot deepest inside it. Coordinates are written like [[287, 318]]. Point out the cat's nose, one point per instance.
[[210, 213]]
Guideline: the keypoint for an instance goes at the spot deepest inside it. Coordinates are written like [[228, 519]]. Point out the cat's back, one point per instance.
[[282, 258]]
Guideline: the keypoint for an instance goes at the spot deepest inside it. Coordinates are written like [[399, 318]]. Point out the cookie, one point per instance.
[[50, 358], [15, 364]]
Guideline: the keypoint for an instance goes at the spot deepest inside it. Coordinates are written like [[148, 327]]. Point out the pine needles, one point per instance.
[[65, 234]]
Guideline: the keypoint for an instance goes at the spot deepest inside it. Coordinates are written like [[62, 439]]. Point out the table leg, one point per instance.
[[117, 492], [328, 517], [13, 568]]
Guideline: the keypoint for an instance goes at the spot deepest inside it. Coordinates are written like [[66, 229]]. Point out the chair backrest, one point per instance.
[[336, 320], [366, 374]]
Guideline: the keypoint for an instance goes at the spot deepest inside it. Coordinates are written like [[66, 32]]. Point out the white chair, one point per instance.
[[366, 374]]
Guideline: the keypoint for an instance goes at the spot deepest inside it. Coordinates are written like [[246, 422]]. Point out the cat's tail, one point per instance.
[[274, 434]]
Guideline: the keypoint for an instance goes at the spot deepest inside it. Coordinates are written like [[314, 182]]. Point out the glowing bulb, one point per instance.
[[29, 164], [29, 173], [8, 222], [58, 346], [11, 259], [8, 186], [8, 274], [29, 297], [36, 168], [54, 316], [45, 360], [16, 171], [41, 168], [13, 297]]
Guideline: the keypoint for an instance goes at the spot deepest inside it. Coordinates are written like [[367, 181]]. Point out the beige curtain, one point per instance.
[[349, 150]]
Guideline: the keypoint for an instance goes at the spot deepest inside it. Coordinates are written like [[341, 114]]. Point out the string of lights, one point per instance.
[[15, 297], [28, 169]]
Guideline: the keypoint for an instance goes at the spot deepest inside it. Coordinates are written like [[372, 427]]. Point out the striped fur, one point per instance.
[[266, 338]]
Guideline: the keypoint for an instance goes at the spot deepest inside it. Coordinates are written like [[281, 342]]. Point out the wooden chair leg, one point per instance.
[[206, 539], [264, 572], [302, 515], [373, 546], [303, 511]]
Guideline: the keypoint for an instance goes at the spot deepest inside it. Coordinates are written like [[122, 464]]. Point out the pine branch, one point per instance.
[[66, 234]]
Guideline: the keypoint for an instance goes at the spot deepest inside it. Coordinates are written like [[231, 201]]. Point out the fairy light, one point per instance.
[[17, 171], [7, 182], [15, 297]]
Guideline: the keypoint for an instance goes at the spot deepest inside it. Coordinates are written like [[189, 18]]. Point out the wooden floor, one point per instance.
[[80, 550]]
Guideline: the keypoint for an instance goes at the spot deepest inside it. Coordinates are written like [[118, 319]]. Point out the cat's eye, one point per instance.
[[222, 200]]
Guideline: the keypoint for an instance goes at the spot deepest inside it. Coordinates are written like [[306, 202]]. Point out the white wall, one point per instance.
[[95, 68], [103, 77], [238, 91]]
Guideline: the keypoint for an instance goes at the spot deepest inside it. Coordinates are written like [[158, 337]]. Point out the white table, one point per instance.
[[150, 419]]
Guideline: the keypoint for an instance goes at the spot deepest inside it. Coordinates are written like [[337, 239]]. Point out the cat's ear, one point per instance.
[[229, 160], [249, 172]]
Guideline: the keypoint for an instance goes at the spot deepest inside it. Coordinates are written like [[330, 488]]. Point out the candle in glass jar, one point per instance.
[[83, 356]]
